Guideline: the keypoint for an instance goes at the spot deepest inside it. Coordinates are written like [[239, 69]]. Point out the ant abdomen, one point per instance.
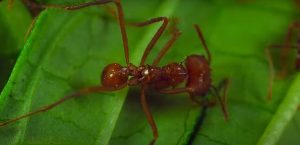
[[114, 75], [199, 80]]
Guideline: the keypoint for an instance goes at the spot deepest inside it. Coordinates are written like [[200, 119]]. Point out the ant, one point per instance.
[[286, 47], [195, 72]]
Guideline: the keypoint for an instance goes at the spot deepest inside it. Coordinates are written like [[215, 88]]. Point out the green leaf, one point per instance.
[[12, 35], [68, 50], [40, 78], [283, 115]]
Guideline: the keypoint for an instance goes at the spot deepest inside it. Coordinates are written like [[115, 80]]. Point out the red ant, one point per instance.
[[195, 70], [286, 47]]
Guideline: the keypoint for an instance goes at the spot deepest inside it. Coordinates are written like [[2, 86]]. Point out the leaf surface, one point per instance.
[[12, 35], [68, 50]]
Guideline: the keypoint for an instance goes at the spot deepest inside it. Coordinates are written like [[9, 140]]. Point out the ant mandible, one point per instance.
[[195, 71], [286, 47]]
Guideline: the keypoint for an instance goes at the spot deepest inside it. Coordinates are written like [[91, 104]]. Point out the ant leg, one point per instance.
[[101, 2], [286, 48], [156, 35], [149, 116], [62, 100], [272, 72], [167, 46], [200, 35], [223, 99]]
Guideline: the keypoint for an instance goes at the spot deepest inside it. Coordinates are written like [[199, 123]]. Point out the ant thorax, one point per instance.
[[157, 77], [145, 74]]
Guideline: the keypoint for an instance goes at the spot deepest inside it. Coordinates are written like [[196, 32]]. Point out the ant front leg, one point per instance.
[[175, 34], [102, 2], [156, 36], [149, 116]]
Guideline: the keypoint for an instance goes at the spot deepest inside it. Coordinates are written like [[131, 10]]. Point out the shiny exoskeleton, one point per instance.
[[195, 71]]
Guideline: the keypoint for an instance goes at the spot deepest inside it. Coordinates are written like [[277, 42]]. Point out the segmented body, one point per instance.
[[195, 72]]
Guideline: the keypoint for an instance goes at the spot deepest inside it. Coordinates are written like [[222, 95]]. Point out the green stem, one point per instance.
[[283, 115]]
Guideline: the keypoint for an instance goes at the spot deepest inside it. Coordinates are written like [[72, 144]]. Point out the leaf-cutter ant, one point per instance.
[[284, 54]]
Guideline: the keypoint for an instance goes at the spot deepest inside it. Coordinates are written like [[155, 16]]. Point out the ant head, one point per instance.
[[199, 74], [114, 75], [193, 61]]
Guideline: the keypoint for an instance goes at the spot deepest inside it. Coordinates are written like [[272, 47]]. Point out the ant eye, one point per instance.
[[114, 75]]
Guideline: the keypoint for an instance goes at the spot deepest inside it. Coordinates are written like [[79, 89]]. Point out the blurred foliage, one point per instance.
[[12, 36]]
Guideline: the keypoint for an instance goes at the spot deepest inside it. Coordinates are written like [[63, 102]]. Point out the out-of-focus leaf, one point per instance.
[[13, 26]]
